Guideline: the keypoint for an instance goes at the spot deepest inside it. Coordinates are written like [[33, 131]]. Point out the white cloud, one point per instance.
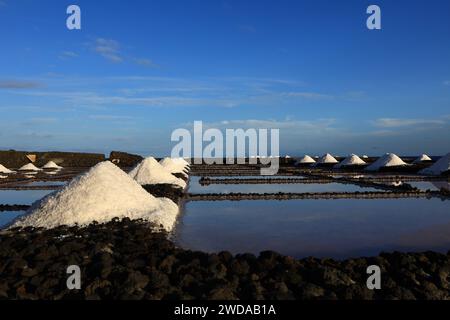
[[308, 95], [447, 83], [397, 122], [18, 84], [108, 49], [145, 62]]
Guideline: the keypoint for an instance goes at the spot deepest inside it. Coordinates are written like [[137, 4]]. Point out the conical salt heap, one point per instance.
[[441, 166], [29, 167], [174, 165], [3, 169], [387, 160], [101, 194], [306, 160], [51, 165], [326, 159], [149, 171], [422, 158], [351, 160]]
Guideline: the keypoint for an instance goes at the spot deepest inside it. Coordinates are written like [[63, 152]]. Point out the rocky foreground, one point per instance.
[[125, 260]]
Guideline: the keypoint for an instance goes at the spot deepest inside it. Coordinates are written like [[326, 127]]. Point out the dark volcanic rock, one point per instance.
[[170, 191], [127, 260]]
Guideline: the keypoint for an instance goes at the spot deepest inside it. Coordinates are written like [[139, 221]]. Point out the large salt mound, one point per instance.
[[306, 160], [174, 166], [387, 160], [351, 160], [51, 165], [149, 171], [327, 158], [441, 166], [5, 170], [101, 194], [422, 158], [29, 167]]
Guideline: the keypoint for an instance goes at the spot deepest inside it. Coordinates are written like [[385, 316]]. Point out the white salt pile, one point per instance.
[[327, 158], [365, 157], [3, 177], [441, 166], [174, 165], [306, 160], [101, 194], [29, 167], [387, 160], [51, 165], [351, 160], [149, 171], [422, 158], [5, 170]]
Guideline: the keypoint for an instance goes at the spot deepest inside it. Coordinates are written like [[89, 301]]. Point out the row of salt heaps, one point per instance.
[[106, 192], [385, 161]]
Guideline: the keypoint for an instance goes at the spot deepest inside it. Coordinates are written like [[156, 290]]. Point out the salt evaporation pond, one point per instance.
[[7, 217], [22, 197], [45, 183], [430, 185], [321, 228], [196, 187]]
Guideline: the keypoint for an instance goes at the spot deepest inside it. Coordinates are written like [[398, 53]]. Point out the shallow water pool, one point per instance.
[[23, 197], [196, 187], [322, 228], [6, 217]]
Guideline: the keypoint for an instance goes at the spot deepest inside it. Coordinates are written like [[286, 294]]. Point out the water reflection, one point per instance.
[[23, 197], [322, 228], [195, 187], [6, 217]]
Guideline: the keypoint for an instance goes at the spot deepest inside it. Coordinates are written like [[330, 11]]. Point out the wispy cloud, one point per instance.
[[68, 55], [397, 122], [247, 28], [18, 84], [145, 62], [39, 121], [447, 83], [108, 117], [108, 49], [308, 95], [2, 3]]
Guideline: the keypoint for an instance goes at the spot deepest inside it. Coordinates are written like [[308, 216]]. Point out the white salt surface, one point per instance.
[[351, 160], [306, 160], [101, 194], [442, 165], [422, 158], [149, 171], [51, 165], [327, 158], [387, 160], [174, 165], [3, 169], [30, 167]]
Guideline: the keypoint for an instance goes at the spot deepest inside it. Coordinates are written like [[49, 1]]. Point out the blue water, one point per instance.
[[322, 228], [195, 187], [24, 197], [7, 217]]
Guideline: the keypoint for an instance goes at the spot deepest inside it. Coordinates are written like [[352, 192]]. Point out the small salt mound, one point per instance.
[[422, 158], [149, 171], [5, 170], [29, 167], [365, 157], [174, 166], [51, 165], [351, 160], [3, 177], [441, 166], [101, 194], [306, 160], [388, 160], [327, 158]]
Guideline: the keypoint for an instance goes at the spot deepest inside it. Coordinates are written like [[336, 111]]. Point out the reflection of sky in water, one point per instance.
[[45, 183], [323, 228], [256, 177], [430, 185], [195, 187], [8, 216], [25, 197]]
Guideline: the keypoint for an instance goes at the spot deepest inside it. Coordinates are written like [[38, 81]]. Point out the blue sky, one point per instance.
[[139, 69]]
